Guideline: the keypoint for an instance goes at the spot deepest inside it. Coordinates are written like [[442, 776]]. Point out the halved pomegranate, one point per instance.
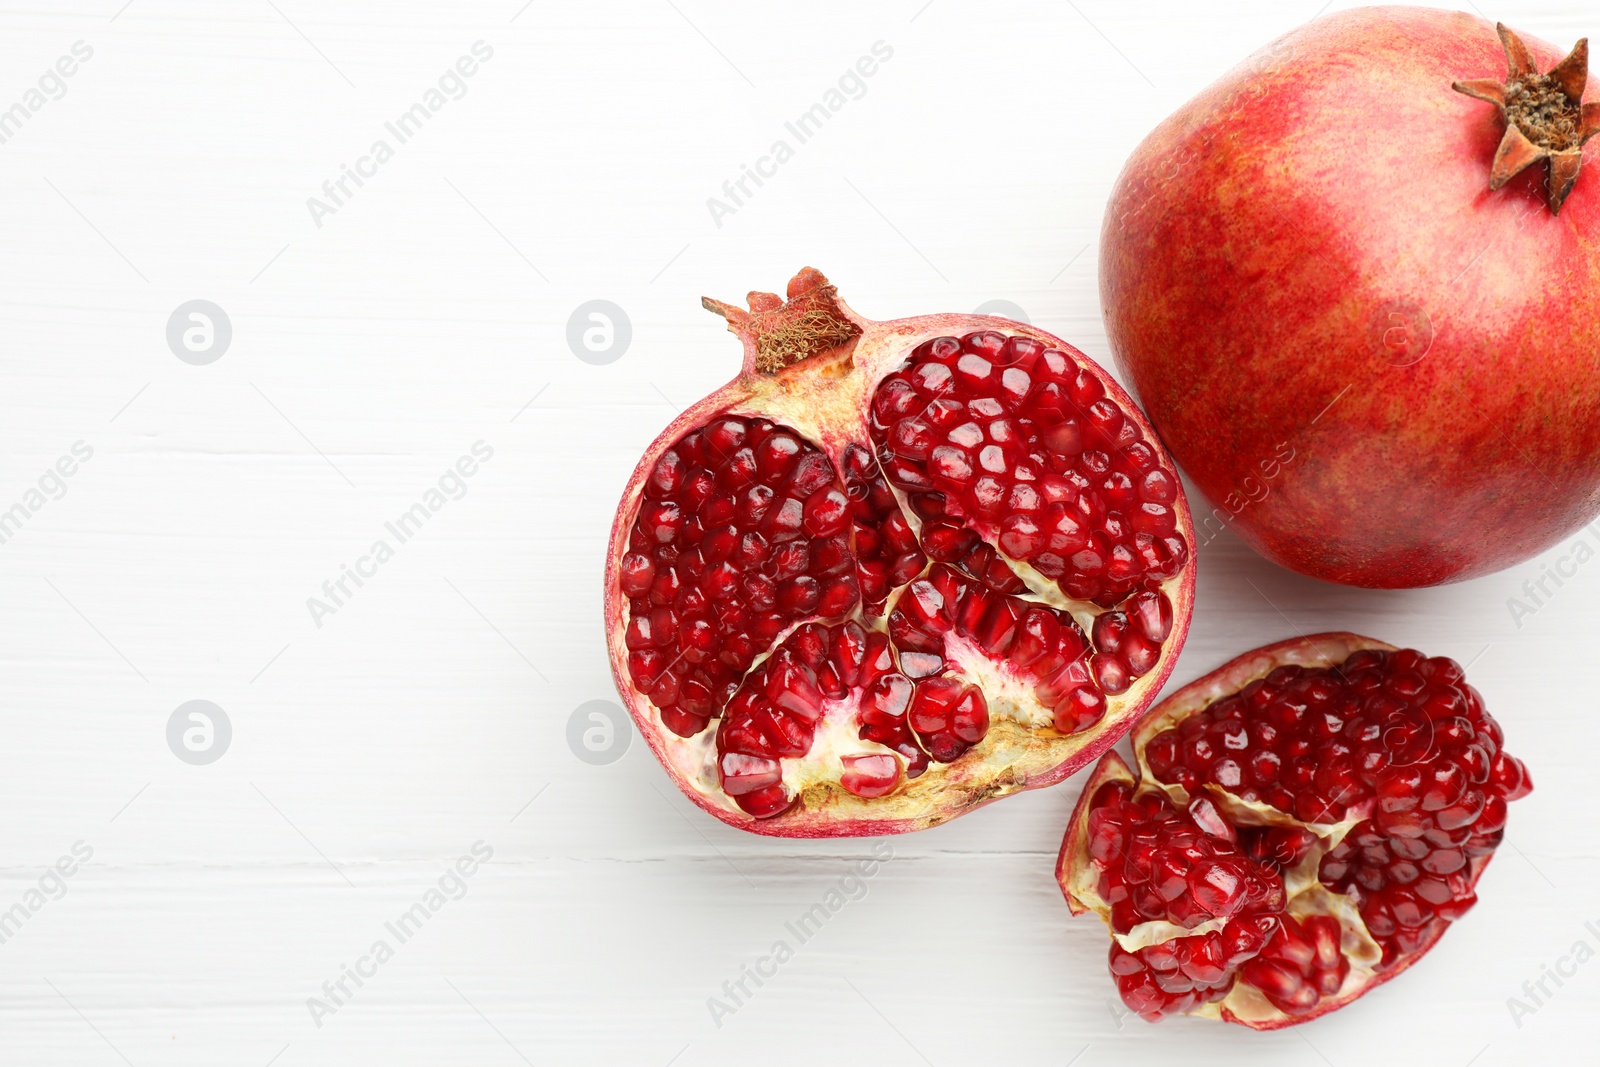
[[1308, 821], [894, 570]]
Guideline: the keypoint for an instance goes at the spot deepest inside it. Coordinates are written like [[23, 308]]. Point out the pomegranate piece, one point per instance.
[[893, 570], [1316, 812], [1325, 374]]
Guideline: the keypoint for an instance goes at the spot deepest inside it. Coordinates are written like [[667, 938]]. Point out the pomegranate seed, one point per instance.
[[765, 803], [1280, 984], [742, 774], [1079, 709], [1217, 887], [825, 512], [1110, 673], [775, 457], [1206, 817], [870, 776]]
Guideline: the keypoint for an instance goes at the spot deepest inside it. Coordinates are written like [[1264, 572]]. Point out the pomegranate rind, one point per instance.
[[1074, 873], [1078, 879], [826, 397]]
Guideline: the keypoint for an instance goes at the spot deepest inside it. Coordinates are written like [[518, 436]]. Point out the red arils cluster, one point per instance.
[[743, 531], [1394, 733], [1128, 640], [846, 670], [775, 712], [883, 719], [1020, 443], [1043, 644], [1316, 813], [887, 553], [1302, 963], [1155, 863]]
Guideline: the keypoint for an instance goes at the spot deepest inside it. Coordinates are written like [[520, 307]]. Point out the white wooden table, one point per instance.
[[426, 712]]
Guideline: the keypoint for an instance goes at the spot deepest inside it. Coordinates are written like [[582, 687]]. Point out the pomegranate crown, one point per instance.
[[779, 333], [1545, 115]]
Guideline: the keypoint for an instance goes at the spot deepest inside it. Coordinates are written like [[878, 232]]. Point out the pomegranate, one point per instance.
[[1306, 823], [1360, 306], [893, 570]]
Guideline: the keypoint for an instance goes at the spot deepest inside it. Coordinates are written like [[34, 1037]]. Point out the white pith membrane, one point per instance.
[[1022, 746], [1305, 893]]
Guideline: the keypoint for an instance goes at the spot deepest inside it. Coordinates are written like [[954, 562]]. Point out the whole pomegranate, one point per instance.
[[894, 570], [1356, 285], [1308, 821]]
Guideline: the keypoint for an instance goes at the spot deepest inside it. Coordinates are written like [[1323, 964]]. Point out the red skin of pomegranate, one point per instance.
[[825, 398], [1307, 261], [1368, 963]]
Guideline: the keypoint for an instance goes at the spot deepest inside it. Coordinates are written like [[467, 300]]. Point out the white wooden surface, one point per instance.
[[427, 713]]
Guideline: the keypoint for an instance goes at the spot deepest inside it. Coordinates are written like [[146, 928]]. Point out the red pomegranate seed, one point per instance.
[[744, 774], [870, 776]]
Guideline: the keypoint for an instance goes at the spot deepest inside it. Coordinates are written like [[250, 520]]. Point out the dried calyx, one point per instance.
[[780, 333], [1546, 118]]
